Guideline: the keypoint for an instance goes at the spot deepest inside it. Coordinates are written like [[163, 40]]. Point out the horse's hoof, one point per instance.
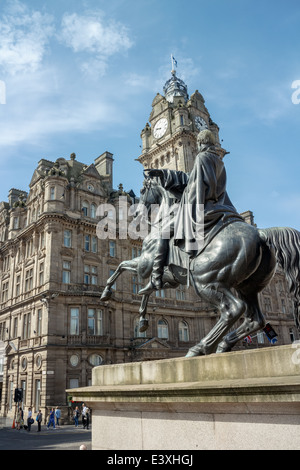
[[107, 293], [223, 347], [195, 351], [144, 324]]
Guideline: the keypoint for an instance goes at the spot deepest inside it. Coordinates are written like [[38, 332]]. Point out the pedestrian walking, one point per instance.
[[29, 420], [39, 418], [57, 415], [76, 416], [87, 418], [51, 419], [19, 419], [83, 415]]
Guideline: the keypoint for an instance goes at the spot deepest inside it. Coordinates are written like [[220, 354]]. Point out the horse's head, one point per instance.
[[152, 192], [153, 199]]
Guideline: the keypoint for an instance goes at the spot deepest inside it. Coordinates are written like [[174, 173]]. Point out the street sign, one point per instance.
[[270, 333]]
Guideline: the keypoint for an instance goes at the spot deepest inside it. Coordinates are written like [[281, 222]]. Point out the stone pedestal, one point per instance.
[[238, 400]]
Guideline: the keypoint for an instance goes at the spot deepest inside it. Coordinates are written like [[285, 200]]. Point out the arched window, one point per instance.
[[85, 208], [137, 333], [162, 329], [95, 360], [93, 211], [183, 331]]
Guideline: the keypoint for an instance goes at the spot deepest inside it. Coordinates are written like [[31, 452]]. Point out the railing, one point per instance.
[[89, 340]]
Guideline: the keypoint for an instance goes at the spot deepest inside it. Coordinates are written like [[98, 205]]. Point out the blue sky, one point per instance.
[[80, 76]]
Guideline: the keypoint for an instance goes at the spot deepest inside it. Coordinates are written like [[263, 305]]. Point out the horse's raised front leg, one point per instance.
[[230, 307], [130, 265]]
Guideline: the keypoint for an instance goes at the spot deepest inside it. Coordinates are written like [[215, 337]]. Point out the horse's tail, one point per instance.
[[286, 243]]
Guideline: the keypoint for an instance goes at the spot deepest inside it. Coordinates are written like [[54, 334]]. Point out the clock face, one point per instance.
[[160, 128], [90, 187], [200, 123]]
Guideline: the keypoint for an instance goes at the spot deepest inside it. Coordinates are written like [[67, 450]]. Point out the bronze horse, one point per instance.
[[238, 263]]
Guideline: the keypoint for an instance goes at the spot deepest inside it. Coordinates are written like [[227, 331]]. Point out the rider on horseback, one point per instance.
[[204, 187]]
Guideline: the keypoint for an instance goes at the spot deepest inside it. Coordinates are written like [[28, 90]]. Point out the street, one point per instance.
[[62, 438]]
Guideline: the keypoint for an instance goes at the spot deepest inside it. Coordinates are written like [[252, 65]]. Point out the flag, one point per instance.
[[248, 339], [174, 61]]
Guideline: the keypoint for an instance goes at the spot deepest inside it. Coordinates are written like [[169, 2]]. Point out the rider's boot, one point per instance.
[[155, 282]]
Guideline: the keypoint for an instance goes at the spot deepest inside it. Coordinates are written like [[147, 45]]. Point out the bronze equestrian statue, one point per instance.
[[227, 261]]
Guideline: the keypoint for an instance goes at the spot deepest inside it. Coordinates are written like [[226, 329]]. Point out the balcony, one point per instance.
[[88, 340]]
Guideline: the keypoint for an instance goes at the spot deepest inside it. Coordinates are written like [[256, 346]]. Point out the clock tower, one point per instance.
[[169, 139]]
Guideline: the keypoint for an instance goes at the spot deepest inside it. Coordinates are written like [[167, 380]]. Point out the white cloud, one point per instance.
[[24, 35], [92, 34]]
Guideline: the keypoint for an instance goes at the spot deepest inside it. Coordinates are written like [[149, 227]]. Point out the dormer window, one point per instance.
[[85, 208], [93, 211]]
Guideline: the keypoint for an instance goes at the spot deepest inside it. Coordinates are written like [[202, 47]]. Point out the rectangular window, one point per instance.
[[112, 249], [37, 394], [6, 263], [87, 243], [94, 275], [95, 322], [90, 275], [24, 387], [16, 223], [74, 383], [18, 285], [268, 305], [52, 193], [94, 245], [15, 332], [74, 321], [136, 284], [29, 248], [4, 296], [183, 332], [67, 238], [135, 252], [180, 293], [2, 331], [86, 274], [66, 275], [42, 240], [26, 325], [41, 274], [39, 322], [160, 293], [29, 280]]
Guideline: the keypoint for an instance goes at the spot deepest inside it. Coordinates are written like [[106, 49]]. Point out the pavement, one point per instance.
[[61, 438]]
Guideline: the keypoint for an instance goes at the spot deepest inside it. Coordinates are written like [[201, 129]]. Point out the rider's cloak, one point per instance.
[[204, 207]]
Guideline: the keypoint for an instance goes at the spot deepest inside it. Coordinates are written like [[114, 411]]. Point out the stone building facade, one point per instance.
[[53, 268]]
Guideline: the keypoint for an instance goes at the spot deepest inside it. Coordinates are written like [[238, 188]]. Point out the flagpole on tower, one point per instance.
[[174, 64]]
